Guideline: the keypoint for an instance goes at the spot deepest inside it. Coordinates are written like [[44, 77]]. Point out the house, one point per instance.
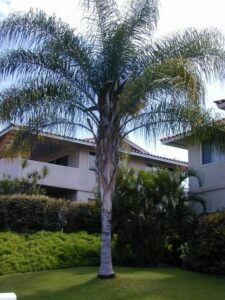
[[71, 163], [209, 164]]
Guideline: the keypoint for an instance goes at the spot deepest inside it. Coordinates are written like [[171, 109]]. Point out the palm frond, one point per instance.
[[102, 17], [24, 65], [173, 117], [170, 79], [46, 101], [121, 49], [203, 49], [36, 30]]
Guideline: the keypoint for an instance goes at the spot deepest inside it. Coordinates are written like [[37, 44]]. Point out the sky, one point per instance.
[[174, 15]]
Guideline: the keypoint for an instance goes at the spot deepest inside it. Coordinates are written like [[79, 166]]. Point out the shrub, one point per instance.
[[30, 213], [206, 251], [27, 213], [151, 216], [47, 250], [83, 216]]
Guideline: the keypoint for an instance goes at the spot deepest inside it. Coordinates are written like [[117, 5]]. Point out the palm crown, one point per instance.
[[111, 81]]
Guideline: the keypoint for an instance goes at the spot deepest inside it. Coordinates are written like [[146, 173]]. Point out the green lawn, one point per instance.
[[130, 283]]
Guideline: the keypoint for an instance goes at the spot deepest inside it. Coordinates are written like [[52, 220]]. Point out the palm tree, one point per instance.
[[111, 81]]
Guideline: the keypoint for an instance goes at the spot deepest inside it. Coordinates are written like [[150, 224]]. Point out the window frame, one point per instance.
[[91, 154]]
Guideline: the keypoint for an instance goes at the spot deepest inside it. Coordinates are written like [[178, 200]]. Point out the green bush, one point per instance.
[[83, 216], [47, 250], [151, 217], [206, 251], [30, 213]]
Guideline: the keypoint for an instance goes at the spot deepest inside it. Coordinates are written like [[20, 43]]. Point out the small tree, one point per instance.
[[112, 81]]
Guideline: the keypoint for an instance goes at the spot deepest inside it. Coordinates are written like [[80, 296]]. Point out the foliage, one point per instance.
[[29, 185], [30, 213], [151, 216], [27, 213], [83, 216], [206, 251], [46, 250]]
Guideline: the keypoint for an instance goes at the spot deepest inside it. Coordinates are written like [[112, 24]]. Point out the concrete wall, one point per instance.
[[212, 176]]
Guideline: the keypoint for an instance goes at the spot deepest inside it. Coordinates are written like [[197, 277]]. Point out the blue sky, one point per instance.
[[174, 15]]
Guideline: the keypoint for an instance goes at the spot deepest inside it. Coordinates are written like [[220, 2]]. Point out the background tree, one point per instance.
[[111, 81]]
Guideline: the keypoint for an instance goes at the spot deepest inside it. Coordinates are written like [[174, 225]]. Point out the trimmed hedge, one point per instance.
[[82, 216], [31, 213], [206, 252], [47, 250]]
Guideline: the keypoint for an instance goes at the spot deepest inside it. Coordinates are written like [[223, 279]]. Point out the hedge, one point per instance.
[[26, 213], [206, 252], [47, 250]]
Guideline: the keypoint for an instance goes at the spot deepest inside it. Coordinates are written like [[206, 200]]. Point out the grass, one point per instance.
[[130, 283]]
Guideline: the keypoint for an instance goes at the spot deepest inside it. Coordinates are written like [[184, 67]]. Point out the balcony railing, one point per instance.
[[58, 176]]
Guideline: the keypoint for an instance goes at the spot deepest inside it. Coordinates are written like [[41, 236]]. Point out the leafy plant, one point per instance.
[[152, 216], [31, 213], [46, 251], [206, 250]]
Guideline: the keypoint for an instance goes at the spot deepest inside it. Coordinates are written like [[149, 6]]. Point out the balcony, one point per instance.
[[58, 176]]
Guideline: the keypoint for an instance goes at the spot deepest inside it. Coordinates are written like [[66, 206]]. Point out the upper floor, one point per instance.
[[71, 162]]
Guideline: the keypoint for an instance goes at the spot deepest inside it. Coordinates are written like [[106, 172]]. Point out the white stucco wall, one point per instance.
[[212, 176]]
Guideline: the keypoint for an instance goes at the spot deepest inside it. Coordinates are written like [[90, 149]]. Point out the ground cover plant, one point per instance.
[[130, 283], [47, 250], [111, 80]]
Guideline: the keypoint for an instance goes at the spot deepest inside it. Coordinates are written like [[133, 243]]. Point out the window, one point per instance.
[[151, 167], [210, 154], [62, 161], [92, 161]]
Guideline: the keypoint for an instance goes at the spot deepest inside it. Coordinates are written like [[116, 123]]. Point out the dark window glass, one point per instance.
[[206, 153], [61, 161], [92, 161], [151, 167], [211, 154]]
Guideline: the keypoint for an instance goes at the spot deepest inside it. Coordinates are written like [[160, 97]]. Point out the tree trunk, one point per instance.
[[106, 268], [107, 162]]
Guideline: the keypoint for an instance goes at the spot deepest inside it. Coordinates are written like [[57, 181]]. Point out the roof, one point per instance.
[[134, 148], [220, 103], [177, 140]]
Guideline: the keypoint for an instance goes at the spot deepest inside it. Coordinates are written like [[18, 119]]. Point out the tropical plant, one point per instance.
[[152, 215], [111, 81]]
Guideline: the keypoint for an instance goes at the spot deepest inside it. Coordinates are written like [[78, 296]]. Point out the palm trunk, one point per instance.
[[107, 162], [106, 268]]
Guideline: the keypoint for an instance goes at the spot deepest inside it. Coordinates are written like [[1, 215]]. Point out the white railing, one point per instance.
[[58, 176]]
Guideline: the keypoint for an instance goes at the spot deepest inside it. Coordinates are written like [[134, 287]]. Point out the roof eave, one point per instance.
[[91, 144]]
